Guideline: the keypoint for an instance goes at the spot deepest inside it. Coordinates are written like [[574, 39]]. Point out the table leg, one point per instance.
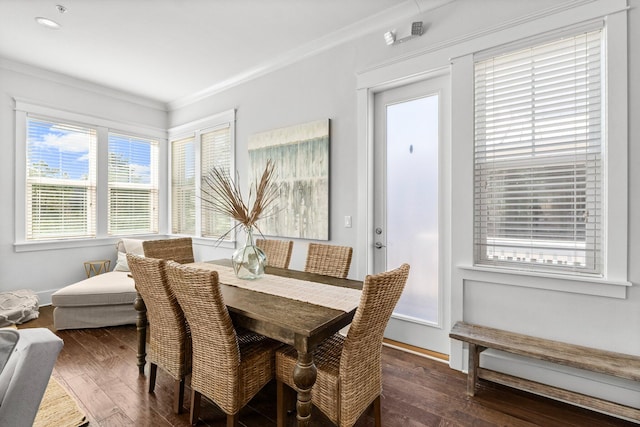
[[304, 377], [141, 323]]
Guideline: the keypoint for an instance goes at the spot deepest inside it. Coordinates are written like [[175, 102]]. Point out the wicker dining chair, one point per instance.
[[278, 251], [229, 367], [169, 338], [329, 260], [349, 369], [179, 250]]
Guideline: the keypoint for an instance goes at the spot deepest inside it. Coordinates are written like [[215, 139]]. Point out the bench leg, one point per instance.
[[474, 365]]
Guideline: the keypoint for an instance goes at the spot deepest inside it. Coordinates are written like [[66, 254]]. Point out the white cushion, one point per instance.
[[112, 288], [121, 262], [17, 307], [132, 246]]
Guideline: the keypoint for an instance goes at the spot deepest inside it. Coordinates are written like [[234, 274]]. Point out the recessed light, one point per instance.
[[46, 22]]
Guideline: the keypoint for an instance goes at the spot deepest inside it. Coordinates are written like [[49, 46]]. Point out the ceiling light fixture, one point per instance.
[[49, 23], [416, 31]]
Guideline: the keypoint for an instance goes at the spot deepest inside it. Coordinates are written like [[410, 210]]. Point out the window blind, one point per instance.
[[132, 185], [215, 148], [61, 177], [538, 157], [183, 186]]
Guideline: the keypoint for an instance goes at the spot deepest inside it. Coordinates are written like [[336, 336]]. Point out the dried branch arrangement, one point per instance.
[[223, 195]]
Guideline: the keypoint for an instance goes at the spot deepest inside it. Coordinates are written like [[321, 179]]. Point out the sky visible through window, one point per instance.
[[59, 151], [129, 159], [63, 151]]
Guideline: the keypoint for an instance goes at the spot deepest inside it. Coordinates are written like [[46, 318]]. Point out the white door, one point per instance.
[[411, 129]]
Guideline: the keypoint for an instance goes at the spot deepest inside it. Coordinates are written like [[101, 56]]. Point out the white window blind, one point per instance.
[[215, 149], [183, 186], [538, 191], [61, 180], [132, 185]]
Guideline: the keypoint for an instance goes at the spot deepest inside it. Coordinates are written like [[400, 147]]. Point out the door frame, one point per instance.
[[369, 84]]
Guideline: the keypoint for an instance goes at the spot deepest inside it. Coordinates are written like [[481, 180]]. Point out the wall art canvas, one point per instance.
[[301, 157]]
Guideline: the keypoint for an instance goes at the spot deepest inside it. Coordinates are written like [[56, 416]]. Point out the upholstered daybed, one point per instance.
[[99, 301]]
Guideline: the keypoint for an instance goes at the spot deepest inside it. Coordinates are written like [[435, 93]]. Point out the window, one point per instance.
[[539, 144], [80, 179], [133, 185], [195, 149], [183, 186], [61, 180], [215, 153]]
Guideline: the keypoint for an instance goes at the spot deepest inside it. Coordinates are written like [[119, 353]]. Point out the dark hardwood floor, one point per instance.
[[98, 366]]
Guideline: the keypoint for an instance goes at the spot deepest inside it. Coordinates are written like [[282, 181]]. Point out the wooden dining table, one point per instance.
[[300, 324]]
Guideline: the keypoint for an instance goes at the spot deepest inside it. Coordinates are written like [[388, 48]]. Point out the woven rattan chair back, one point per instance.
[[215, 348], [329, 260], [229, 367], [360, 361], [179, 250], [169, 339], [278, 251]]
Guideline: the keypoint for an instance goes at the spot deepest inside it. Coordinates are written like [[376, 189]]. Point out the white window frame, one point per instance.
[[25, 108], [152, 188], [614, 281], [195, 129], [484, 167]]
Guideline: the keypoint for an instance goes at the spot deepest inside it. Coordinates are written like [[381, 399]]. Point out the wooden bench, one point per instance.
[[481, 338]]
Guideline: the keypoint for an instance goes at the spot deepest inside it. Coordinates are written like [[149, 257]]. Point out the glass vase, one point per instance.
[[249, 260]]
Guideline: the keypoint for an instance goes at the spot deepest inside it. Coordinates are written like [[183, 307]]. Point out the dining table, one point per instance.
[[294, 307]]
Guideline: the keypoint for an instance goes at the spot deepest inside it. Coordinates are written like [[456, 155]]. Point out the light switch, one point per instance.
[[347, 221]]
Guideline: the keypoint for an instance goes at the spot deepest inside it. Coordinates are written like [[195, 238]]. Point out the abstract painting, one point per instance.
[[301, 157]]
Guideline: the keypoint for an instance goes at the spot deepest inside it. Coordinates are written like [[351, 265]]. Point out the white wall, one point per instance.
[[303, 92], [45, 271], [325, 86]]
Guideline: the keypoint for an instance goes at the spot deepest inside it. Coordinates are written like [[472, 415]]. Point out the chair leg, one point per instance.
[[194, 413], [280, 403], [232, 420], [377, 412], [178, 395], [153, 370]]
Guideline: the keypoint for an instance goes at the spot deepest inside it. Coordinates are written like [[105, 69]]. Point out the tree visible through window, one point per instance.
[[62, 184], [61, 177], [133, 185]]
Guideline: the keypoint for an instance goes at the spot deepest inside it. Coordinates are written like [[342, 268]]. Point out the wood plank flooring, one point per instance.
[[98, 366]]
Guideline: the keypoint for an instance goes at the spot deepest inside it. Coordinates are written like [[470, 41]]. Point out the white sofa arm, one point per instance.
[[26, 375]]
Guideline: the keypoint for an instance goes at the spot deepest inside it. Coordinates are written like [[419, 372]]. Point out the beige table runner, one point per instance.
[[336, 297]]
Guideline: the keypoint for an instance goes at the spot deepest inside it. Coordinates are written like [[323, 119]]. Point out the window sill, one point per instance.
[[48, 245], [554, 282], [210, 242]]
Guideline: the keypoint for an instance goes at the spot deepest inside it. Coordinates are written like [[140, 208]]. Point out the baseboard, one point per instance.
[[44, 297], [433, 355]]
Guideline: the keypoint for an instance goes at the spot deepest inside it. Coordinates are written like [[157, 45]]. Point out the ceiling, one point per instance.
[[173, 50]]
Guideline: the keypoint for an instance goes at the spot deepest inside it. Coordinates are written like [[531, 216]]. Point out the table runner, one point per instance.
[[336, 297]]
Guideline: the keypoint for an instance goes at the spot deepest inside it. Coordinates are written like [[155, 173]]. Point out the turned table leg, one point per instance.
[[141, 323], [304, 377]]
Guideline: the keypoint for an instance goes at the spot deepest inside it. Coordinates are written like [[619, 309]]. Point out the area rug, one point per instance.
[[59, 409]]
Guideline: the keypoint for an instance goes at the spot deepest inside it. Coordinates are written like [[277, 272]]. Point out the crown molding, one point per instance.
[[52, 76], [358, 29], [604, 7]]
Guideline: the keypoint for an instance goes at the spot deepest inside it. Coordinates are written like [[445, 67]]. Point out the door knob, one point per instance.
[[379, 245]]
